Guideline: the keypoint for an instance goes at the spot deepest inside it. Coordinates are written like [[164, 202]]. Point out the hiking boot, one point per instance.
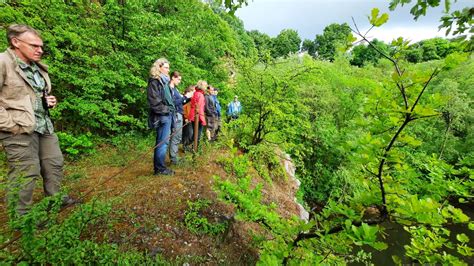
[[165, 172], [68, 201], [178, 162], [188, 148]]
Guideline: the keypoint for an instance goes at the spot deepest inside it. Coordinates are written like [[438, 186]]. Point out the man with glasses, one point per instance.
[[26, 129]]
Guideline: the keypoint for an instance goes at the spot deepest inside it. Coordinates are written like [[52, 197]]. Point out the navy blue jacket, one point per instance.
[[179, 100]]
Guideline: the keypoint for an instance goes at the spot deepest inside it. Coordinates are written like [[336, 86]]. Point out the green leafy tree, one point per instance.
[[100, 53], [270, 100], [414, 54], [431, 49], [362, 54], [262, 42], [334, 37], [358, 123], [231, 5], [437, 48], [308, 46], [462, 18], [444, 46], [288, 41], [243, 39], [367, 138], [452, 133]]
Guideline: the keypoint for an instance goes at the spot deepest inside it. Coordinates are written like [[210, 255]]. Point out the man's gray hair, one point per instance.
[[16, 30]]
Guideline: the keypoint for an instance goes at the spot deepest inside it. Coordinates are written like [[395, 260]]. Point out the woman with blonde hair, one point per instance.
[[161, 112]]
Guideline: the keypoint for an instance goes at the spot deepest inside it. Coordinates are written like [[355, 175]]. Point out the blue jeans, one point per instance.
[[163, 131]]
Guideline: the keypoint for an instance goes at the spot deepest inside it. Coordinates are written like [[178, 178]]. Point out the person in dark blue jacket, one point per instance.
[[177, 128], [211, 113], [214, 92]]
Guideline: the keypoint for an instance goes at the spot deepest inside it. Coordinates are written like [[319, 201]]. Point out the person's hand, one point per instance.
[[51, 101]]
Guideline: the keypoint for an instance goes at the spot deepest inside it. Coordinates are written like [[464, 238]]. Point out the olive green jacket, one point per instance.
[[17, 96]]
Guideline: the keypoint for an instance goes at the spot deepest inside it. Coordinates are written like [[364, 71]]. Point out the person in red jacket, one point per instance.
[[197, 104]]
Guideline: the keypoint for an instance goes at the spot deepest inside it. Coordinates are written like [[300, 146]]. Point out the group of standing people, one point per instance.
[[26, 128], [172, 114]]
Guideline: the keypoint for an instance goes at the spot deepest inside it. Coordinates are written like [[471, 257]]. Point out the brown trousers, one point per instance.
[[31, 156]]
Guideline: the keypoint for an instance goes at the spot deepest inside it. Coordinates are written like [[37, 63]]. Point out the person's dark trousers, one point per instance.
[[200, 129], [218, 128], [232, 117], [163, 132], [176, 138], [188, 136], [31, 156]]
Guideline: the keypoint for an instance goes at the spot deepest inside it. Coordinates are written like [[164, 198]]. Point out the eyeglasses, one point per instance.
[[34, 46]]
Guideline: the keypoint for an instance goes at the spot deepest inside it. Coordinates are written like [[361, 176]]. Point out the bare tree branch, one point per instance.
[[435, 72]]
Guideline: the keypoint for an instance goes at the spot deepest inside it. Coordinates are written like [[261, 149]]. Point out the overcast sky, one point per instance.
[[309, 17]]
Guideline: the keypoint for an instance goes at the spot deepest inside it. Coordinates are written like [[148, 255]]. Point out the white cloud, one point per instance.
[[309, 17], [414, 34]]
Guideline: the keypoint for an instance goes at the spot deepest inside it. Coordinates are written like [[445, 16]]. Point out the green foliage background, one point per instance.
[[99, 53], [336, 120], [333, 118]]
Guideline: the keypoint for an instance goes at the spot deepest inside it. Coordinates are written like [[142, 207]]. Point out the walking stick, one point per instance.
[[196, 127]]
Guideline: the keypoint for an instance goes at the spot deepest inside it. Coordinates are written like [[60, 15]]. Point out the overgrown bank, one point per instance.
[[372, 145], [138, 218]]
